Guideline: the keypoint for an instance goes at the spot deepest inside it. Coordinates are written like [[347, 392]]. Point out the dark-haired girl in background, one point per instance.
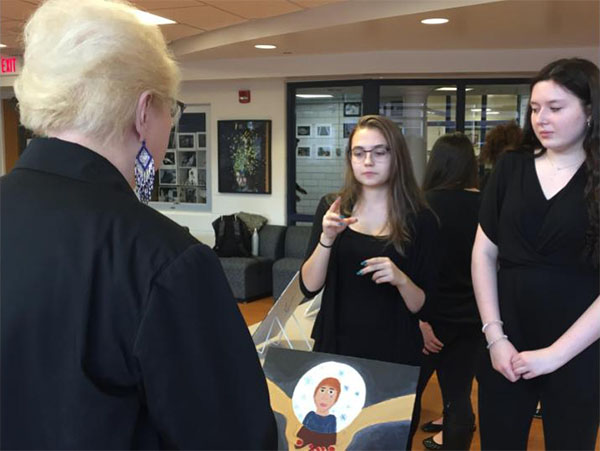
[[372, 249], [541, 309], [451, 336], [502, 138]]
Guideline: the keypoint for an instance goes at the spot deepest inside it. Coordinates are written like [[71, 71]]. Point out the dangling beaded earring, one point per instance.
[[144, 174], [589, 122]]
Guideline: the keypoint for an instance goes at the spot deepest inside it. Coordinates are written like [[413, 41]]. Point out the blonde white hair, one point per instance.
[[86, 63]]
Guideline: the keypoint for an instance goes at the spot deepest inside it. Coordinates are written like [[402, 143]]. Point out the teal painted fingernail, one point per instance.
[[342, 216], [359, 272], [363, 263], [341, 223]]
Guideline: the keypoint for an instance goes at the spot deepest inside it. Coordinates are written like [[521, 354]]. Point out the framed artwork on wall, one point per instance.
[[324, 131], [186, 141], [348, 127], [303, 131], [352, 109], [304, 151], [244, 156], [169, 159], [324, 152]]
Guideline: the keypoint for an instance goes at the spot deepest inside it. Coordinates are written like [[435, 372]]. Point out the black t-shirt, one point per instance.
[[544, 283], [373, 320], [454, 300]]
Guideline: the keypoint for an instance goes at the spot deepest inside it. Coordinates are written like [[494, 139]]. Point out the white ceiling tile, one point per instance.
[[205, 17], [177, 31], [255, 9]]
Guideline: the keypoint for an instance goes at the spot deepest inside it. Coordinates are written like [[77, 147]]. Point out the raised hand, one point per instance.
[[334, 223]]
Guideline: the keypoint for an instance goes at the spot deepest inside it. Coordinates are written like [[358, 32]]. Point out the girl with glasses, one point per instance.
[[535, 270], [372, 251]]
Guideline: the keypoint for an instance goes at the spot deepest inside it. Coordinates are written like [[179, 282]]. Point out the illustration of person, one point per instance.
[[318, 429]]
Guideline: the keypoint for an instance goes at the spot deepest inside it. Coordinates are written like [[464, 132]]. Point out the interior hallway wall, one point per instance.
[[267, 102]]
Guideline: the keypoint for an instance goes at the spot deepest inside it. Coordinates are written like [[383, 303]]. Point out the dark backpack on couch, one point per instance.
[[232, 237]]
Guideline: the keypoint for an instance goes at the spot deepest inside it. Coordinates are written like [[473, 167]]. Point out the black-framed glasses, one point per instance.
[[378, 153], [177, 108]]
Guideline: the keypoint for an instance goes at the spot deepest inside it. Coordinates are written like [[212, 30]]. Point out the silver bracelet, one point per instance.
[[493, 342], [490, 323]]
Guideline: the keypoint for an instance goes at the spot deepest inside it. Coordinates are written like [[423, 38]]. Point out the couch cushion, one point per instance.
[[283, 272], [249, 278], [296, 241], [270, 241]]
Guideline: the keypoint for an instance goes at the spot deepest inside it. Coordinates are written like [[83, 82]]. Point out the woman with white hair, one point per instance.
[[118, 328]]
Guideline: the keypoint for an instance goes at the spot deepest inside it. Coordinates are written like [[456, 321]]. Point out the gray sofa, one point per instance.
[[296, 241], [251, 277]]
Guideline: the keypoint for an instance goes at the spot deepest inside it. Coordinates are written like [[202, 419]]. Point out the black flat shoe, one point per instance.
[[430, 426], [430, 443]]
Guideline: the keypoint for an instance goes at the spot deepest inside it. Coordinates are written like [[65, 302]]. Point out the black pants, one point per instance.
[[569, 398], [455, 365]]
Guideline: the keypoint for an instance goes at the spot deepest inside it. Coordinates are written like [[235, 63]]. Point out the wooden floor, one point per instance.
[[255, 311]]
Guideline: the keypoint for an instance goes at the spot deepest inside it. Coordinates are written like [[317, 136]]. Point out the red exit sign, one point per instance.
[[9, 65]]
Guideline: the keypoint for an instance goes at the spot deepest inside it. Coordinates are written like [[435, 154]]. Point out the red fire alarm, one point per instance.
[[244, 95]]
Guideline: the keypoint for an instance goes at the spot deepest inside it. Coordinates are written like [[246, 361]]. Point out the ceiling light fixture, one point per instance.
[[265, 46], [152, 19], [434, 21], [451, 88], [314, 96], [2, 46]]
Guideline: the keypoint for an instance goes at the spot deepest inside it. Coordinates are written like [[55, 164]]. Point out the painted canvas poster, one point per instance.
[[245, 156], [331, 402]]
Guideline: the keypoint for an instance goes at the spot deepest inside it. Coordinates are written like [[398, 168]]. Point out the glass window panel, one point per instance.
[[490, 105], [325, 116], [424, 113]]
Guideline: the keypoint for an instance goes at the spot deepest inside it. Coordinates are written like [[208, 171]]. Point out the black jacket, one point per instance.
[[118, 328]]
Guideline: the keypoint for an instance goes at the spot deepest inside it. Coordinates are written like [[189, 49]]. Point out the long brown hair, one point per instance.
[[405, 199], [452, 164], [581, 78], [500, 139]]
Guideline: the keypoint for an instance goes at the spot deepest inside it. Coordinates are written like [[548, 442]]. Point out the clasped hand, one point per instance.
[[527, 364]]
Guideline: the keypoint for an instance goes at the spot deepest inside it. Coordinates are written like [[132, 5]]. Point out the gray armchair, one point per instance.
[[251, 277], [296, 240]]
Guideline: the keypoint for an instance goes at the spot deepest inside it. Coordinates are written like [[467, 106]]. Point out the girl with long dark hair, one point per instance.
[[451, 334], [541, 310]]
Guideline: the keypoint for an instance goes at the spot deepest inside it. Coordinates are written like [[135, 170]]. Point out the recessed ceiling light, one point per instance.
[[314, 96], [451, 88], [2, 46], [492, 112], [265, 46], [152, 19], [434, 21], [477, 110]]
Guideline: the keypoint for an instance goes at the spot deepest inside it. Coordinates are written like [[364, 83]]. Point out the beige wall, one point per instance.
[[216, 83], [267, 102]]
